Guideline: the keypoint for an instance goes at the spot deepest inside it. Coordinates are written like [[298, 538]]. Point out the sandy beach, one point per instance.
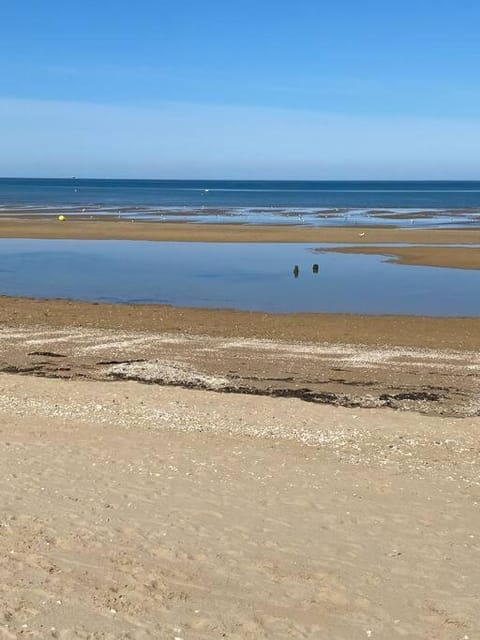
[[213, 500], [199, 473], [134, 511]]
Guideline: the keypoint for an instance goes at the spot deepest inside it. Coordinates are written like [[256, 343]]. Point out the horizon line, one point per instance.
[[76, 178]]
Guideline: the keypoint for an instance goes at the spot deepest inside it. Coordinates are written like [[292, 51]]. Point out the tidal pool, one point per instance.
[[256, 277]]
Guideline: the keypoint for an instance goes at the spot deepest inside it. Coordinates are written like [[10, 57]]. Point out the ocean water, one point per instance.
[[279, 202], [259, 277]]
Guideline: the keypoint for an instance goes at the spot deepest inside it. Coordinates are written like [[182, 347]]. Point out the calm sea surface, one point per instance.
[[449, 203]]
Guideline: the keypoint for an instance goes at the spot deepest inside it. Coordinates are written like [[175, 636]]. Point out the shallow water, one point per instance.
[[316, 203], [256, 277]]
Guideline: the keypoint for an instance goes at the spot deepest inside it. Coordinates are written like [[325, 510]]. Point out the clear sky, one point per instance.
[[240, 89]]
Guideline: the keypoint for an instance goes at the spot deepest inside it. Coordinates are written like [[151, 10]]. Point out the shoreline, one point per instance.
[[407, 363], [427, 245], [415, 364]]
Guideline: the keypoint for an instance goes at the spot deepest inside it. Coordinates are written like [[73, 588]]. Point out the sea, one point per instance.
[[316, 203]]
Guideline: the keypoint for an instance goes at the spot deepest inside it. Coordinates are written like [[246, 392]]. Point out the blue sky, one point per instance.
[[306, 89]]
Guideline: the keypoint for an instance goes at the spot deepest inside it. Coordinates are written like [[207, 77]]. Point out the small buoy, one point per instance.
[[296, 271], [315, 268], [61, 218]]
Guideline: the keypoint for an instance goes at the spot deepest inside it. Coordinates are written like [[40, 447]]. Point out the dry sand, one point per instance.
[[133, 511]]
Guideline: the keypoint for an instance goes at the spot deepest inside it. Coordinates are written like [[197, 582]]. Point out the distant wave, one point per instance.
[[224, 190]]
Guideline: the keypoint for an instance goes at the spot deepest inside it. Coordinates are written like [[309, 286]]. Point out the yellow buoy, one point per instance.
[[61, 218]]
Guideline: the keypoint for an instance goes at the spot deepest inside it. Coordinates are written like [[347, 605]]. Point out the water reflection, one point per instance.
[[296, 270]]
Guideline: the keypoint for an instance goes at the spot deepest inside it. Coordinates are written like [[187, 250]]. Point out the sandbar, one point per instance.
[[427, 256], [186, 232]]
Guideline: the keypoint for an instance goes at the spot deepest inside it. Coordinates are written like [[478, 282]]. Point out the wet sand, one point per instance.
[[409, 331], [186, 232], [427, 365], [453, 257]]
